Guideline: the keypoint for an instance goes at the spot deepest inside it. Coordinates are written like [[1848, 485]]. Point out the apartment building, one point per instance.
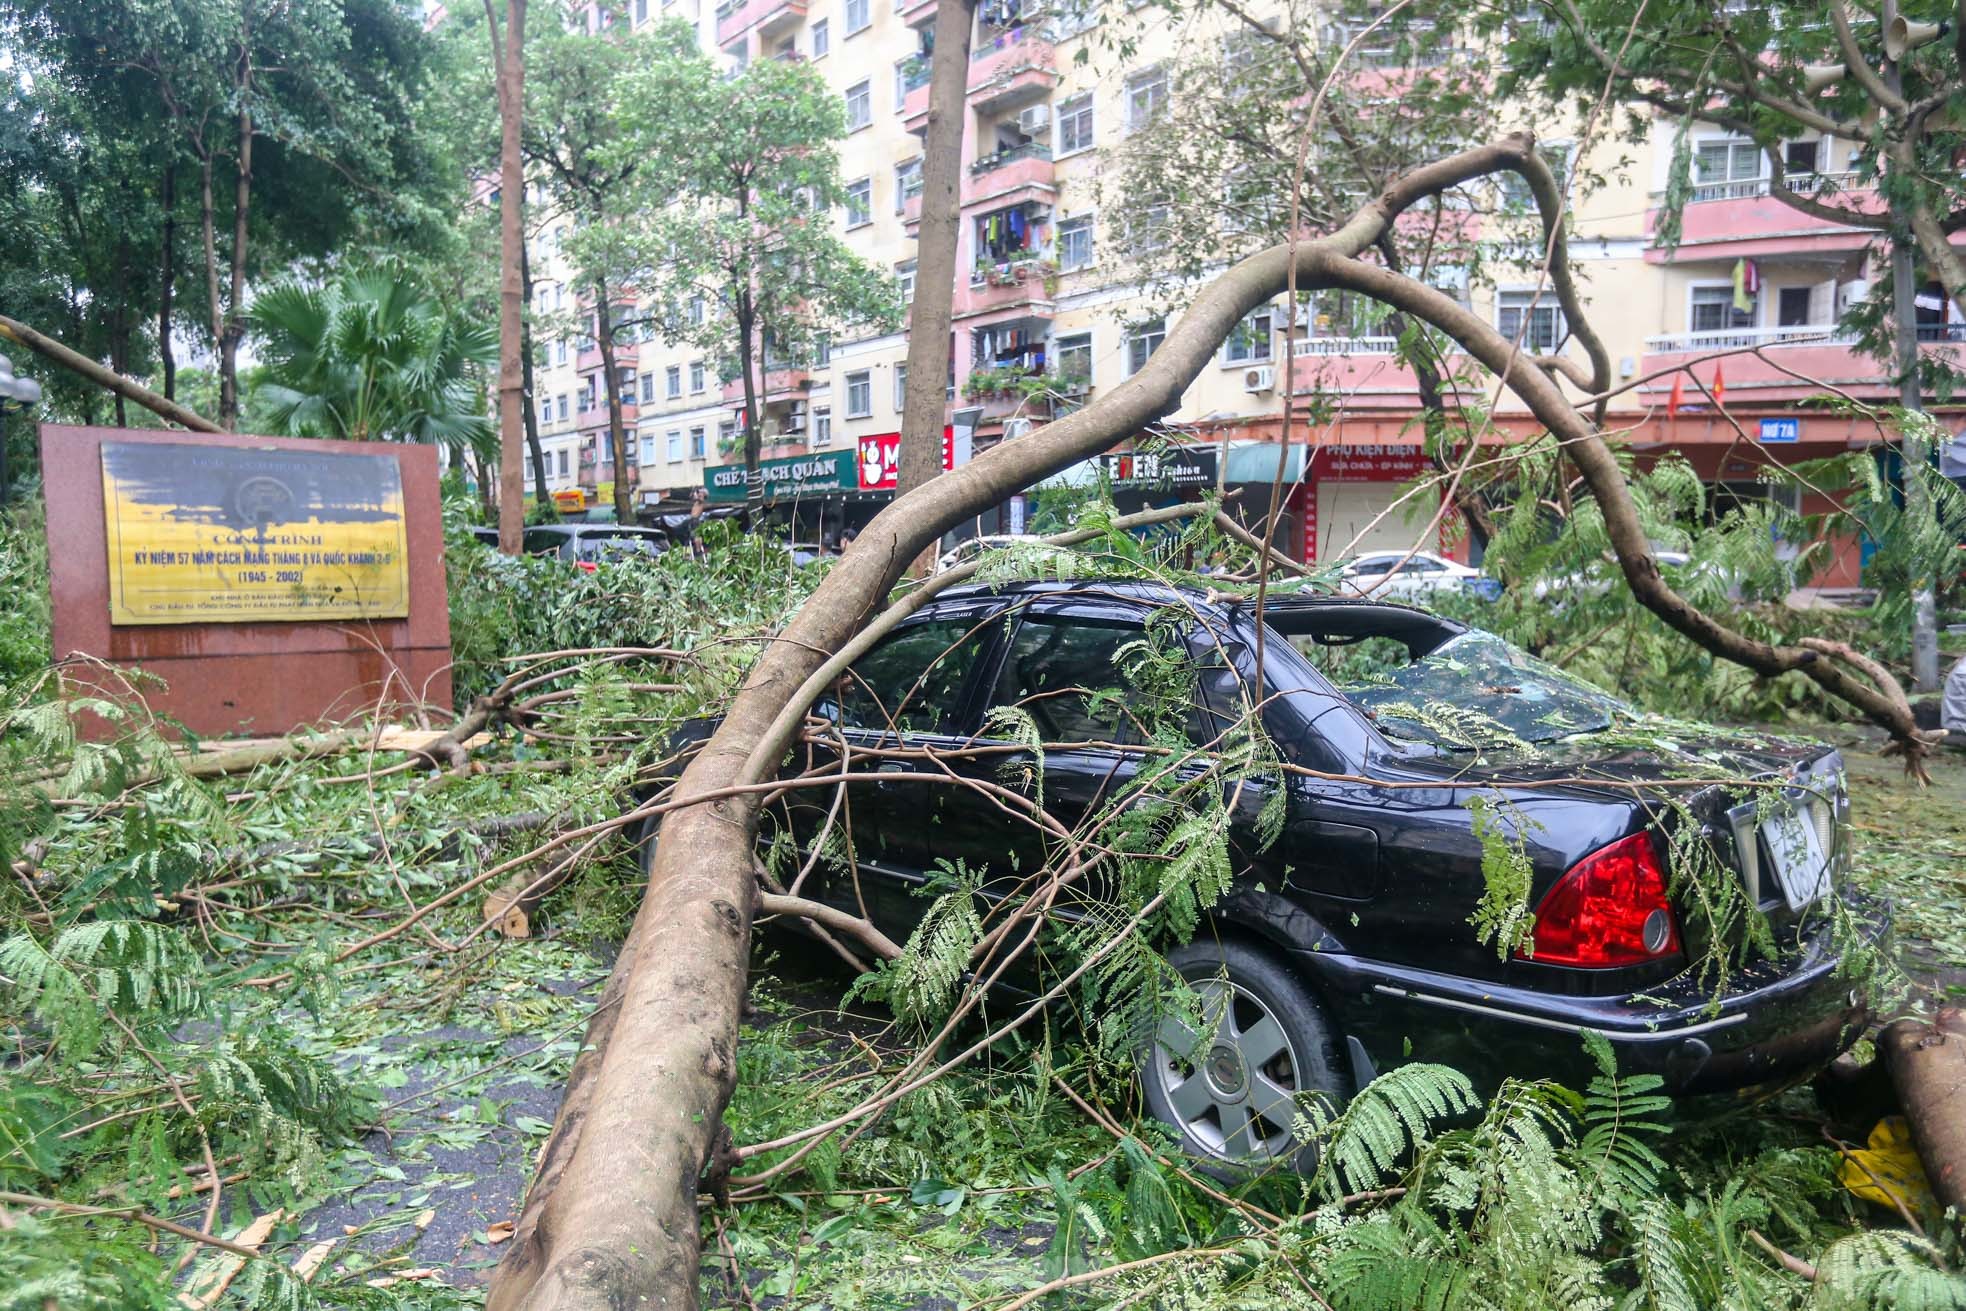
[[1046, 291]]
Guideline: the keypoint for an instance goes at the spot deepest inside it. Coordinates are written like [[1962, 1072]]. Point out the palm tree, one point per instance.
[[371, 355]]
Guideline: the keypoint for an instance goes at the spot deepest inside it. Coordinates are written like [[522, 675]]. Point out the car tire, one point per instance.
[[1232, 1104]]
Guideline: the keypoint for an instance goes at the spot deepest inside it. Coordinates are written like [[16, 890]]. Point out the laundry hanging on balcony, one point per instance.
[[1747, 285]]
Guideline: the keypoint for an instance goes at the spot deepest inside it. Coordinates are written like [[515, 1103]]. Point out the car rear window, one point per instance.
[[1475, 691]]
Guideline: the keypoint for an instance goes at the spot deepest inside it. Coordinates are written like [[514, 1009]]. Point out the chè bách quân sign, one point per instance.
[[216, 534]]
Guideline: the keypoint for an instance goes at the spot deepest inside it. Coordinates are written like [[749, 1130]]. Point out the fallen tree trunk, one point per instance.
[[612, 1220], [1927, 1062], [48, 348]]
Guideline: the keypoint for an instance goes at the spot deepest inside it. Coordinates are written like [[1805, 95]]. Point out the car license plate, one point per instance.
[[1792, 843]]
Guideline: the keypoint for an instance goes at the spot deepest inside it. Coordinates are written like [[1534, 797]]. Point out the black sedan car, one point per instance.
[[1346, 945]]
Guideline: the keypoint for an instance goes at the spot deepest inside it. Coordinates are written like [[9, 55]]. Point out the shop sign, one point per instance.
[[786, 479], [572, 498], [1781, 430], [1179, 468], [1370, 464], [879, 462], [220, 534]]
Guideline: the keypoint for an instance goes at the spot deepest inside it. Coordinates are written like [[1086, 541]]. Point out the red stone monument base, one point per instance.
[[254, 678]]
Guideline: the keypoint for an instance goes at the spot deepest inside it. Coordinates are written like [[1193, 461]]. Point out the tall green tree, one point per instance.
[[731, 236], [373, 355], [282, 130]]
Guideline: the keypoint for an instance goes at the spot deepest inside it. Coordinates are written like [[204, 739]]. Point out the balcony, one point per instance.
[[1005, 393], [917, 13], [911, 214], [1740, 220], [1800, 361], [780, 383], [914, 110], [766, 17], [1022, 283], [1014, 68], [1012, 177]]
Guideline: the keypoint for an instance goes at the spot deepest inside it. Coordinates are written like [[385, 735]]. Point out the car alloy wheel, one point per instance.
[[1232, 1087]]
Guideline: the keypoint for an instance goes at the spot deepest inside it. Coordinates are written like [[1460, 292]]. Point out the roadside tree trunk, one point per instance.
[[929, 347], [542, 495], [509, 69], [233, 322], [624, 497], [167, 278]]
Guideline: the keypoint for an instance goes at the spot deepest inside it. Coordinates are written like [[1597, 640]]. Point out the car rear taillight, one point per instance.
[[586, 566], [1608, 909]]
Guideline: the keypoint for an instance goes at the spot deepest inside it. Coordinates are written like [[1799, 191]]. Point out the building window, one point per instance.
[[1075, 242], [1545, 329], [907, 182], [563, 462], [696, 443], [546, 410], [857, 16], [587, 394], [1802, 156], [563, 407], [675, 380], [904, 276], [859, 106], [673, 440], [696, 376], [859, 202], [822, 425], [860, 395], [1074, 357], [1713, 310], [1075, 124], [1251, 341], [648, 389], [1146, 96], [1147, 231], [626, 377], [560, 351], [1142, 342], [641, 11], [727, 435], [900, 388], [696, 310], [1726, 168], [648, 448], [822, 38]]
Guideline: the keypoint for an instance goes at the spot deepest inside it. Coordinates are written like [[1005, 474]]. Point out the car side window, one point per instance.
[[538, 541], [1065, 673], [1370, 568], [913, 681]]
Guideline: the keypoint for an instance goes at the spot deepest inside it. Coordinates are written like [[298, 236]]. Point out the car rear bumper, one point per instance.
[[1777, 1025]]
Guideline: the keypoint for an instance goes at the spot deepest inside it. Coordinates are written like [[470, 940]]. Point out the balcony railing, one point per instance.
[[1029, 150], [1751, 188], [1814, 334], [1311, 346], [1938, 332]]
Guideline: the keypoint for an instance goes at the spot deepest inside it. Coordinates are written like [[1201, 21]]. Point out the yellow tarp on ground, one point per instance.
[[1888, 1165]]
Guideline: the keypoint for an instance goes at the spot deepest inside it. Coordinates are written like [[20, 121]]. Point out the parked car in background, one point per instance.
[[586, 544], [1348, 944], [487, 535], [1397, 576]]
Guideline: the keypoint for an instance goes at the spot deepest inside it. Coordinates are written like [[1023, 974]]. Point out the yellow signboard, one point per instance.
[[573, 499], [218, 534]]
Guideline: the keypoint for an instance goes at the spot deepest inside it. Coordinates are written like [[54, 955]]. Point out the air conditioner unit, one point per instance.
[[1259, 380], [1033, 120], [795, 423], [1849, 293], [1015, 428]]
